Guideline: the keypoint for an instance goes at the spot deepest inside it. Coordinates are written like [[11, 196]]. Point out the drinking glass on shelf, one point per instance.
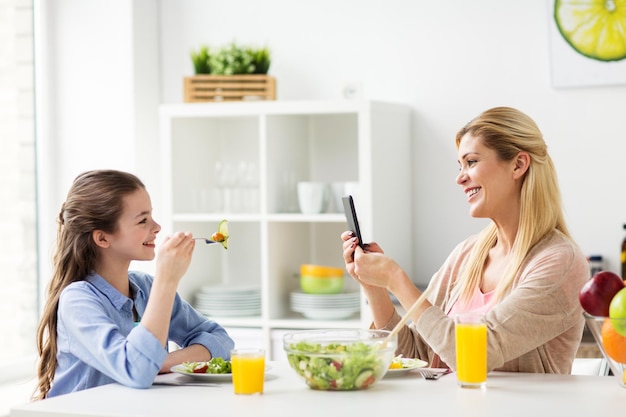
[[226, 179], [206, 200], [239, 185], [249, 187], [198, 200], [288, 193]]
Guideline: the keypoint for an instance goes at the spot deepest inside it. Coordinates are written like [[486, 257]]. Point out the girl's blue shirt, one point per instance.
[[99, 343]]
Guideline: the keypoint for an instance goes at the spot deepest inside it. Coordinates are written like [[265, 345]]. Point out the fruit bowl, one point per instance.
[[340, 359], [611, 343]]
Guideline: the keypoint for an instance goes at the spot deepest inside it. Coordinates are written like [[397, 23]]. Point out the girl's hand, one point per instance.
[[174, 256]]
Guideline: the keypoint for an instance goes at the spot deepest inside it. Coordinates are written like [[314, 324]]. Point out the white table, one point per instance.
[[507, 394]]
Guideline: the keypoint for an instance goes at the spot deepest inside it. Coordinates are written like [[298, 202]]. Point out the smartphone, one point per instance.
[[351, 218]]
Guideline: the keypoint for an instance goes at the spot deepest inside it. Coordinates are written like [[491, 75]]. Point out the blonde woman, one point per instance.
[[523, 270]]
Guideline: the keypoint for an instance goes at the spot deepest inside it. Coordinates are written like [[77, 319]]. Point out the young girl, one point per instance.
[[103, 323]]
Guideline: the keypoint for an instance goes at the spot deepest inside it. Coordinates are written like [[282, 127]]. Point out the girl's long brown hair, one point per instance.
[[94, 202]]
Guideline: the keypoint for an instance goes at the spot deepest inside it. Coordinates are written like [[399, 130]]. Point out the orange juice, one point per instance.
[[248, 366], [471, 351]]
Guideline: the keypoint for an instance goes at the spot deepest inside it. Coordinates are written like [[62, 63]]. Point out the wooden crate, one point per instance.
[[201, 88]]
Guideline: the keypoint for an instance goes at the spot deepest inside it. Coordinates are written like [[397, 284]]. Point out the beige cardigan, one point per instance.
[[536, 328]]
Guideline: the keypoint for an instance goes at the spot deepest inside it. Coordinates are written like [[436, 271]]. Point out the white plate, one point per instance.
[[336, 314], [301, 296], [216, 312], [227, 299], [229, 289], [180, 369], [224, 306], [408, 364]]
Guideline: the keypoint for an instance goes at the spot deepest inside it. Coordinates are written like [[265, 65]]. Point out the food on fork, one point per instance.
[[221, 235]]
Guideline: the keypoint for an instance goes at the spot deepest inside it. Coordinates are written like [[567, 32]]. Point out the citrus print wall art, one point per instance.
[[588, 41]]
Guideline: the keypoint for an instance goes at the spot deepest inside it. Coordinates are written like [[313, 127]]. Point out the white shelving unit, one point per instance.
[[241, 161]]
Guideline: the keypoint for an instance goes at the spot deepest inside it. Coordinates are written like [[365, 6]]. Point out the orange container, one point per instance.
[[319, 279]]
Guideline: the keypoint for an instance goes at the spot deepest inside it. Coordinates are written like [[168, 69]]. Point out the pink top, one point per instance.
[[480, 303], [544, 293]]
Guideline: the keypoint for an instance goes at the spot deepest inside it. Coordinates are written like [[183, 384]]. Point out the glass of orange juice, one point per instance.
[[248, 367], [471, 350]]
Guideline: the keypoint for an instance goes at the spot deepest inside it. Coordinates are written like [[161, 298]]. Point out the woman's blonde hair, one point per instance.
[[94, 202], [508, 131]]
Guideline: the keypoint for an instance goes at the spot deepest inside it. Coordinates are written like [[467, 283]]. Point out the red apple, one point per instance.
[[596, 295]]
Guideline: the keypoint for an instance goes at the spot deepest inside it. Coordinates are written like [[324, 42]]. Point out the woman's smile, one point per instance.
[[471, 192]]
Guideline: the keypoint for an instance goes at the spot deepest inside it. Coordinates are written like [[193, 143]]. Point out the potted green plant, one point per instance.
[[232, 73], [231, 60], [200, 59]]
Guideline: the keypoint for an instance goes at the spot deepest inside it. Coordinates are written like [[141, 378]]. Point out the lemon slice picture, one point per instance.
[[594, 28]]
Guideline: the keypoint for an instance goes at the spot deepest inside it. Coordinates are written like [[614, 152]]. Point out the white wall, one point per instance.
[[97, 98], [449, 60]]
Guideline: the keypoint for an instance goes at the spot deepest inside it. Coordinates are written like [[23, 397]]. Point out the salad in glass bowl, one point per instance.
[[340, 359]]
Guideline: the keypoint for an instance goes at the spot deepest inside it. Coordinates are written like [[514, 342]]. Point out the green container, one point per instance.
[[315, 279]]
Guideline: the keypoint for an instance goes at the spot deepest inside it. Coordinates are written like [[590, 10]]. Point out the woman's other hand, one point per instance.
[[352, 255]]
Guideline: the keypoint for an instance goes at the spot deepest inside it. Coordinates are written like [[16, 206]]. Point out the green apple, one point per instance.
[[617, 312]]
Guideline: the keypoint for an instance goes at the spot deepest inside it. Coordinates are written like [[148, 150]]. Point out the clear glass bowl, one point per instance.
[[340, 359], [612, 345]]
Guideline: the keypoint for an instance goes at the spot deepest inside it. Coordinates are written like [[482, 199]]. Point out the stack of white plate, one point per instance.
[[325, 306], [229, 301]]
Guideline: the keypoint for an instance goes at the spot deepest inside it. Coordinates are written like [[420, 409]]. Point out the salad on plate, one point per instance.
[[400, 365], [217, 369]]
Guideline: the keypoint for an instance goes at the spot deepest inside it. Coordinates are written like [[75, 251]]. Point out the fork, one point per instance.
[[207, 241], [433, 376]]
